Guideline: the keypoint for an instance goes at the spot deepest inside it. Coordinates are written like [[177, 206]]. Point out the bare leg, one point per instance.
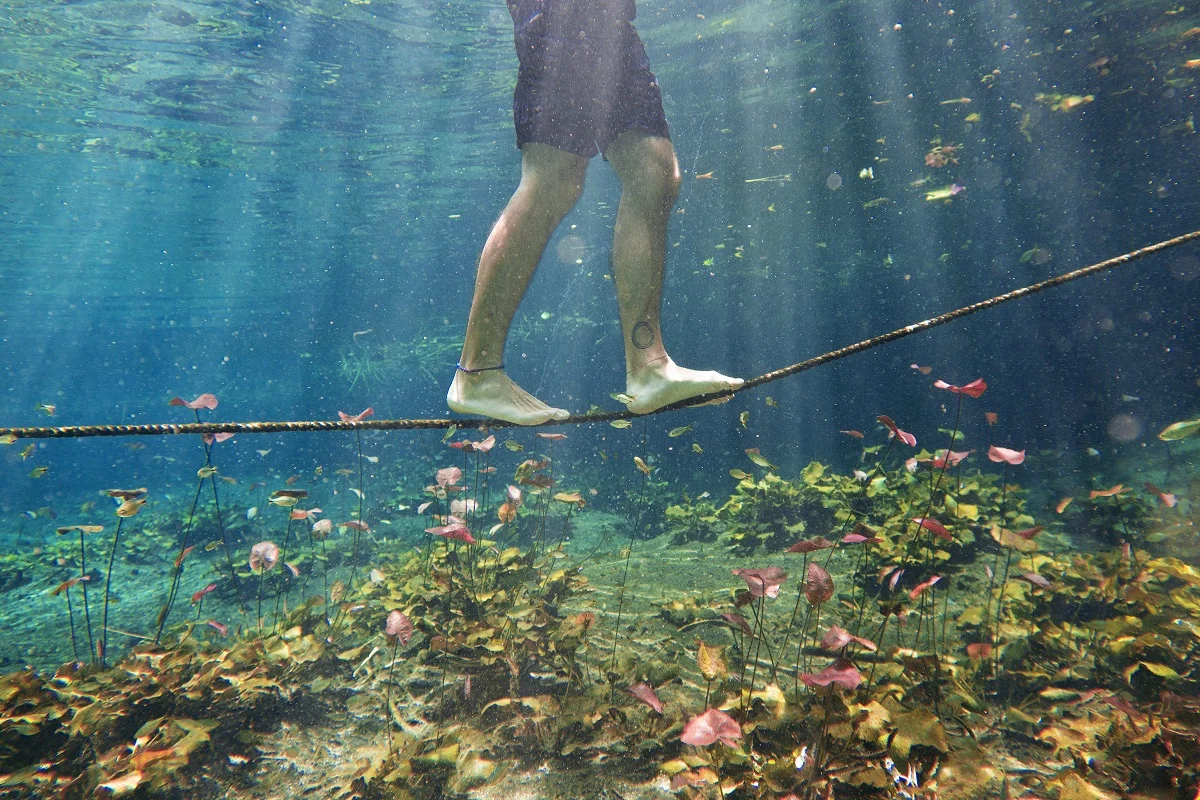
[[649, 177], [551, 180]]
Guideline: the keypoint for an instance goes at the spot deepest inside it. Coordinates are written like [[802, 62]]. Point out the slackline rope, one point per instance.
[[81, 431]]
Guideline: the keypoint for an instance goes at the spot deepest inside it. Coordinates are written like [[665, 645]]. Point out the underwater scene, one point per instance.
[[961, 561]]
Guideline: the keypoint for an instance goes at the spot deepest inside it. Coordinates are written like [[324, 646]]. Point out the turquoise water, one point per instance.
[[282, 203]]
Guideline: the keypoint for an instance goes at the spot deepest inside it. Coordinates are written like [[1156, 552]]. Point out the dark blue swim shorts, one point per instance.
[[584, 76]]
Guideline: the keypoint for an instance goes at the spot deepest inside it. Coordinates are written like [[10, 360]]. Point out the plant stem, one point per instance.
[[108, 583], [279, 590], [86, 609], [612, 664], [71, 617]]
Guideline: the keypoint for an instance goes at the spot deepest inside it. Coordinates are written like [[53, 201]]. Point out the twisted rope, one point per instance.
[[83, 431]]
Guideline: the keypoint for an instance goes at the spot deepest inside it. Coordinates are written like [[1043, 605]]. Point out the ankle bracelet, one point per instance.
[[473, 371]]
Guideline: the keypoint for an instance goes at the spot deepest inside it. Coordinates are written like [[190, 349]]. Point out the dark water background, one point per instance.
[[216, 196]]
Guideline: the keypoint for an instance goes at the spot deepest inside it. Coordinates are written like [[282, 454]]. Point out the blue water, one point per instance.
[[238, 197]]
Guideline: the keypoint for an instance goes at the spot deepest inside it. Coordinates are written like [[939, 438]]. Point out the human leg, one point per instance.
[[551, 180], [649, 175]]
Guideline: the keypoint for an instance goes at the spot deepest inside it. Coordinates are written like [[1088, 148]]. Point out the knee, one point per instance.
[[655, 182], [555, 188]]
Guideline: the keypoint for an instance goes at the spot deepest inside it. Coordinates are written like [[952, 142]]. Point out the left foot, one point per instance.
[[661, 383]]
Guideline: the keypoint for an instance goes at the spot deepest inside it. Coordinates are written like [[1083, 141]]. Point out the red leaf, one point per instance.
[[973, 389], [263, 556], [818, 585], [218, 627], [1167, 499], [811, 545], [557, 437], [837, 638], [645, 693], [399, 626], [979, 650], [740, 622], [182, 555], [1036, 580], [840, 673], [907, 438], [1006, 456], [931, 524], [448, 476], [209, 438], [485, 446], [455, 530], [922, 586], [711, 726], [359, 417], [198, 595], [205, 400], [1029, 533], [765, 581]]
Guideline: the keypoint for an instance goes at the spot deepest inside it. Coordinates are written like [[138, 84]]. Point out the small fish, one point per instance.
[[291, 481], [546, 315], [251, 512], [853, 433], [920, 369], [642, 466], [675, 433], [514, 445], [955, 101], [29, 450], [621, 423], [1093, 452], [705, 176], [263, 452], [757, 457], [372, 459], [453, 429], [744, 418], [770, 401], [944, 193], [621, 397], [8, 438], [1062, 504], [771, 179], [38, 472], [697, 448], [1128, 398], [344, 472], [740, 475], [206, 472], [403, 507], [47, 409], [228, 479]]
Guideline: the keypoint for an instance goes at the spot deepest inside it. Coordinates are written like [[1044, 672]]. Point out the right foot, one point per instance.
[[493, 394]]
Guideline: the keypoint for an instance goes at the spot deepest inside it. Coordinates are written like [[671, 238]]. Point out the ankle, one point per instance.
[[651, 363]]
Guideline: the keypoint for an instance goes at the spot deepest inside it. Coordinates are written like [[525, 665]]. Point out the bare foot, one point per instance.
[[493, 394], [661, 383]]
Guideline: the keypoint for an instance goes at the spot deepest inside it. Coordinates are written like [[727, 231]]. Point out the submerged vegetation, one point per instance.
[[916, 628]]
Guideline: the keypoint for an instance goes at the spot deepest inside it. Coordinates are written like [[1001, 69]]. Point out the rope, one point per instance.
[[82, 431]]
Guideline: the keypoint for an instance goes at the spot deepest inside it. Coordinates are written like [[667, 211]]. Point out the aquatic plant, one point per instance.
[[131, 502], [208, 472], [399, 628], [84, 577], [263, 557]]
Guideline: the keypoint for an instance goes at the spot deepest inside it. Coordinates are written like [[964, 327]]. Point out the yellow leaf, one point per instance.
[[711, 660]]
